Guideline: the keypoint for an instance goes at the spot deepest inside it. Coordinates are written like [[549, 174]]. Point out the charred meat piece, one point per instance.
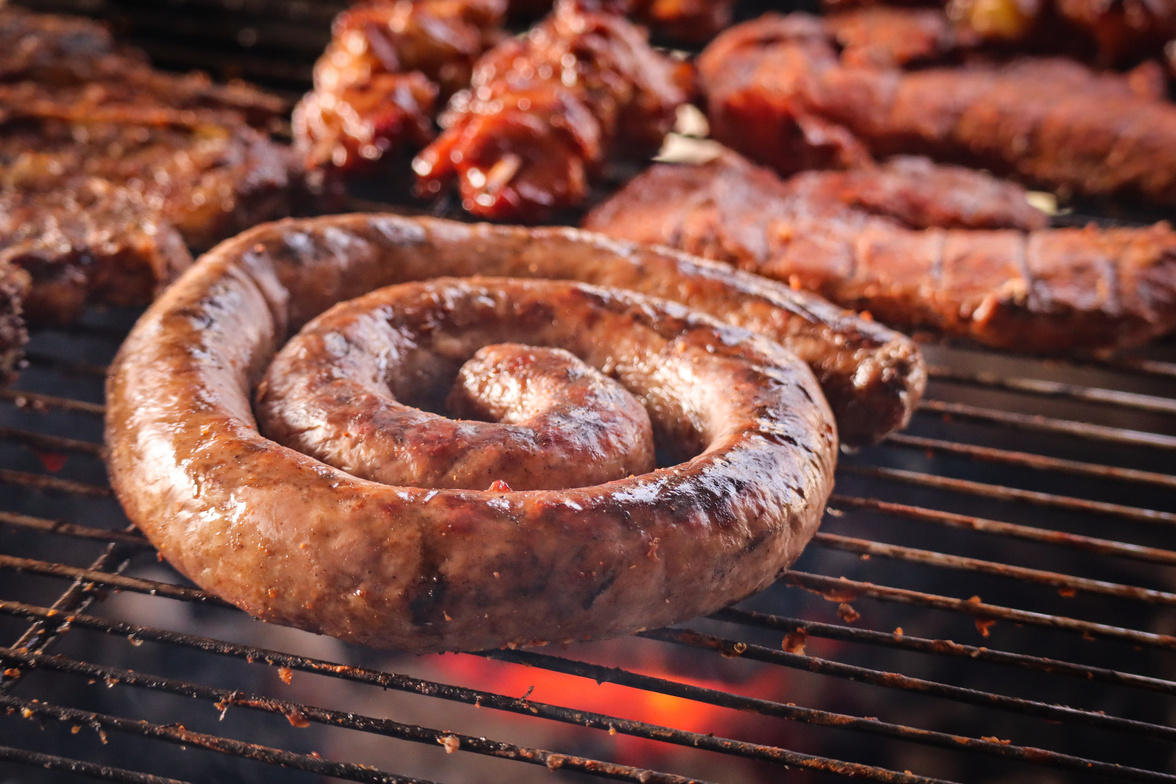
[[377, 85], [688, 21], [777, 90], [884, 36], [1113, 32], [1044, 290], [71, 62], [14, 286], [111, 171], [922, 194], [545, 111], [86, 239], [206, 179]]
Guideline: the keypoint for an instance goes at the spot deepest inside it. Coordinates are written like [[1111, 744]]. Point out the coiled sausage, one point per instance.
[[293, 540]]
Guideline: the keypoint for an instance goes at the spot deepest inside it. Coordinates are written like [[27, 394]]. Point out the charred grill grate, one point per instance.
[[990, 597]]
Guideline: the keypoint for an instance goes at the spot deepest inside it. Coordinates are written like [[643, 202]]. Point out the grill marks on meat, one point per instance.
[[777, 90], [377, 85], [110, 170], [1038, 291], [545, 111]]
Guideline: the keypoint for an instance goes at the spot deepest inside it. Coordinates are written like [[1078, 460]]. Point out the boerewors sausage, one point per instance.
[[294, 540]]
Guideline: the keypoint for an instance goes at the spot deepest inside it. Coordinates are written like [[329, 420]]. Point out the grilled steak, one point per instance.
[[84, 240], [777, 90], [111, 170], [1044, 290]]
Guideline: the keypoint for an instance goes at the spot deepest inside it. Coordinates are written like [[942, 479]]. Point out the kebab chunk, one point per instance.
[[777, 90], [1044, 290], [377, 85], [545, 111]]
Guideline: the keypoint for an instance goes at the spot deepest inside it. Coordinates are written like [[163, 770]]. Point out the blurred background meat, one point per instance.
[[378, 84], [777, 90], [544, 111], [112, 173], [1043, 290]]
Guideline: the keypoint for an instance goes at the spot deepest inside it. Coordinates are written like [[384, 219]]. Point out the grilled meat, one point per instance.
[[545, 111], [923, 194], [1113, 32], [1044, 290], [377, 85], [776, 90], [435, 569], [111, 170], [83, 240]]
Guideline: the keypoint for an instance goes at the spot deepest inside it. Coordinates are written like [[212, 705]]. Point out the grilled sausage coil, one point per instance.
[[293, 540]]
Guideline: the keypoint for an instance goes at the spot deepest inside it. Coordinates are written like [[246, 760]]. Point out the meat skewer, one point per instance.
[[545, 111], [1044, 290], [776, 90], [378, 84]]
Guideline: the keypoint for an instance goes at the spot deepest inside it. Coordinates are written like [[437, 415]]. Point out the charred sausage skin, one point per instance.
[[295, 541]]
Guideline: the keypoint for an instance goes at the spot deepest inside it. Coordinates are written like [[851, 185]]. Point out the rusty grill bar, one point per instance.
[[990, 597]]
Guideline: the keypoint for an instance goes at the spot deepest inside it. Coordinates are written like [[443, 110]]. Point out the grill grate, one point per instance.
[[989, 599]]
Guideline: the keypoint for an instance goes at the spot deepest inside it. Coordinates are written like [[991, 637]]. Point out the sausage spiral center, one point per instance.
[[335, 391], [295, 540]]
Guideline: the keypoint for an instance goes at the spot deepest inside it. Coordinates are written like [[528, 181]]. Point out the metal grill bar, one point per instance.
[[1044, 424], [800, 629], [65, 528], [844, 589], [65, 765], [732, 648], [1029, 460], [42, 401], [521, 706], [297, 713], [1013, 530], [178, 735], [1056, 389], [1003, 493], [1062, 582], [906, 683]]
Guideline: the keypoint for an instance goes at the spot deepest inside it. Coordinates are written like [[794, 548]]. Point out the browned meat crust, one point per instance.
[[108, 167], [923, 194], [545, 111], [84, 240], [688, 21], [71, 61], [295, 541], [377, 84], [1036, 291], [14, 287], [1113, 32], [776, 90], [883, 36]]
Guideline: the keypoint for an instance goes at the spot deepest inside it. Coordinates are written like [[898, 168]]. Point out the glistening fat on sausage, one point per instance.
[[294, 540]]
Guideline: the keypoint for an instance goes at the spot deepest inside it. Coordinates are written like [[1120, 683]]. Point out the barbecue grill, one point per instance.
[[990, 597]]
